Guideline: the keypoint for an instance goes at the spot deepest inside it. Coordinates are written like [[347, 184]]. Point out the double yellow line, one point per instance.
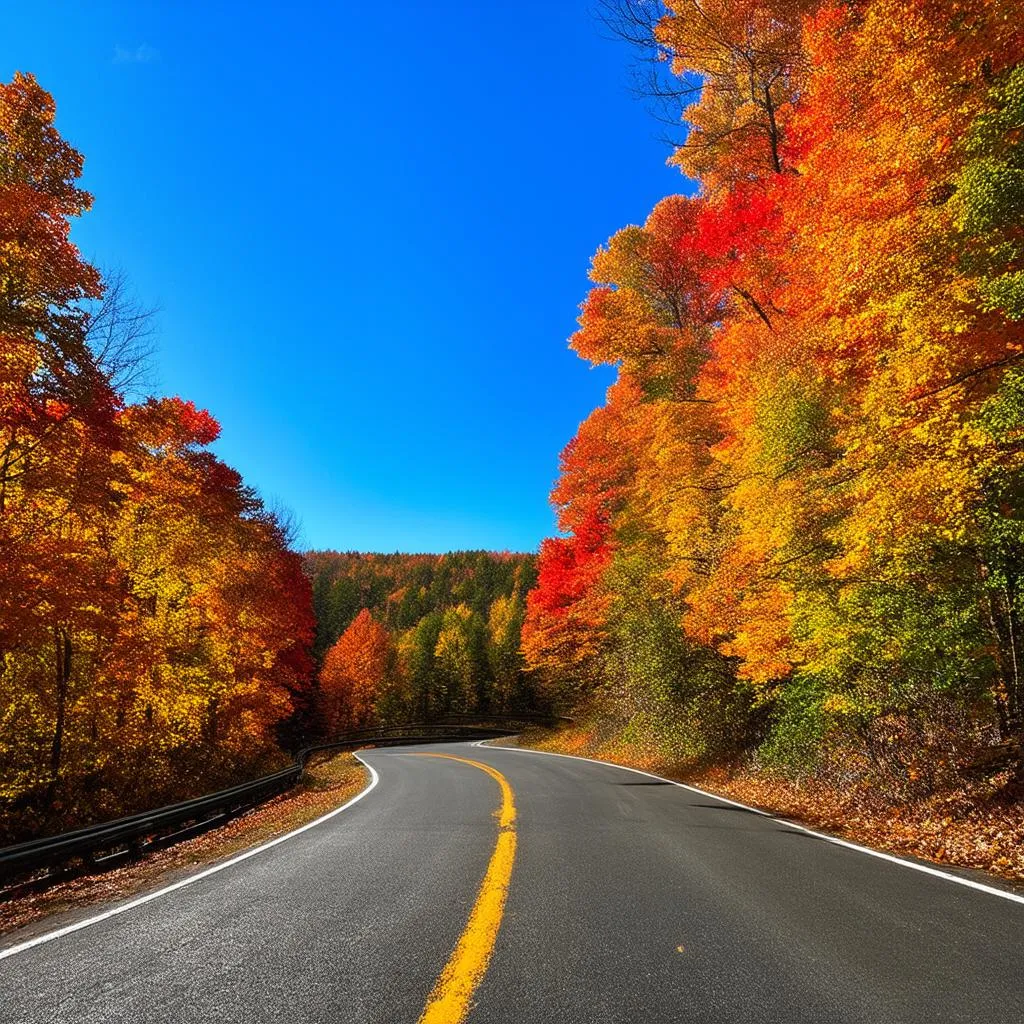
[[449, 1002]]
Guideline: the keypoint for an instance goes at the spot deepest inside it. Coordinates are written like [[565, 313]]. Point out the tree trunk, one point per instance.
[[211, 722], [1006, 626], [62, 676], [773, 129]]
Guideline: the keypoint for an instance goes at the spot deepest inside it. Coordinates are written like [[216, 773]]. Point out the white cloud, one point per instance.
[[141, 54]]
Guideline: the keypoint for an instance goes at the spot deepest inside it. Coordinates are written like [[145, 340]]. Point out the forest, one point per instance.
[[404, 638], [793, 535], [155, 626], [159, 635]]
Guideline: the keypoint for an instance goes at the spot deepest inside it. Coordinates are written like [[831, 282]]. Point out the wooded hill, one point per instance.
[[416, 636]]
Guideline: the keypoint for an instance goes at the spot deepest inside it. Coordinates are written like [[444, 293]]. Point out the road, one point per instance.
[[630, 900]]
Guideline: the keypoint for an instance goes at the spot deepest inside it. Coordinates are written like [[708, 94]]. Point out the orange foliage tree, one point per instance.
[[819, 405], [154, 626], [355, 673]]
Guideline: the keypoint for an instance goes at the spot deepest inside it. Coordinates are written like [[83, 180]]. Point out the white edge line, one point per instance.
[[923, 868], [149, 897]]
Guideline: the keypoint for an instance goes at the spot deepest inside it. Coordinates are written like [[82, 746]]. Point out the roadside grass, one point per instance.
[[968, 827], [327, 784]]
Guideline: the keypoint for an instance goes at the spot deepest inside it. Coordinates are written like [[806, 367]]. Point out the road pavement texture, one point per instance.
[[534, 888]]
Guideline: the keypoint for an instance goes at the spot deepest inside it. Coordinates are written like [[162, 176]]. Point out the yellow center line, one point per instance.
[[449, 1002]]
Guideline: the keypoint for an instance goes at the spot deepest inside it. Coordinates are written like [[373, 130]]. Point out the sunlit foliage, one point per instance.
[[154, 625], [810, 467]]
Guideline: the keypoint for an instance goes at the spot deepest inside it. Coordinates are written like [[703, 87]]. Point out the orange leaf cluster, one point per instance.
[[154, 626], [812, 456]]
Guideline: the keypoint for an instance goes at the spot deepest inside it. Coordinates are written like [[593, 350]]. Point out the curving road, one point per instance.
[[630, 900]]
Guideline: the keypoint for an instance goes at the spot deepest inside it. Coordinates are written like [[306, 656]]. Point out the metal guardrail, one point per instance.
[[527, 718], [102, 845]]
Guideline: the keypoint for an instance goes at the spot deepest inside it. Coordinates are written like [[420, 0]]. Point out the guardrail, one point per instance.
[[526, 718], [41, 861]]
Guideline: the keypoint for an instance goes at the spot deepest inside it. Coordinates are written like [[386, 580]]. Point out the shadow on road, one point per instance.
[[735, 810]]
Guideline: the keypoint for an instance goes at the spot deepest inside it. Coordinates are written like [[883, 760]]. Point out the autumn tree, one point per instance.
[[815, 427], [504, 632], [154, 626], [354, 673]]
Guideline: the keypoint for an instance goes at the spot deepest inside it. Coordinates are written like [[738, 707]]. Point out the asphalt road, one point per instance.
[[631, 900]]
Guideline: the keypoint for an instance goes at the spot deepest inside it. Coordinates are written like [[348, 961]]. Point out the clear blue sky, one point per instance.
[[367, 228]]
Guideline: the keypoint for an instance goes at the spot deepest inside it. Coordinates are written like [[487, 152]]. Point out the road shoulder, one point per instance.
[[878, 833], [329, 785]]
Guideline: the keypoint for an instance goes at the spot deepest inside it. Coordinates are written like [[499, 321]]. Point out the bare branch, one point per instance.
[[968, 375], [119, 332], [284, 521], [754, 304], [634, 22]]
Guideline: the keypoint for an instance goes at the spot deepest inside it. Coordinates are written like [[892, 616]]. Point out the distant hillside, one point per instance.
[[399, 590], [403, 637]]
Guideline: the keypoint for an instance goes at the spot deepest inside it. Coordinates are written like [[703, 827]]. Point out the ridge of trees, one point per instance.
[[405, 637], [155, 626], [795, 530]]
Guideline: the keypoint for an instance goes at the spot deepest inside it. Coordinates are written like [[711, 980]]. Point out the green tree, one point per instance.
[[416, 650], [461, 655], [504, 629]]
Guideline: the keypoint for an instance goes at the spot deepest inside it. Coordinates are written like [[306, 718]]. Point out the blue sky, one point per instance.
[[367, 229]]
